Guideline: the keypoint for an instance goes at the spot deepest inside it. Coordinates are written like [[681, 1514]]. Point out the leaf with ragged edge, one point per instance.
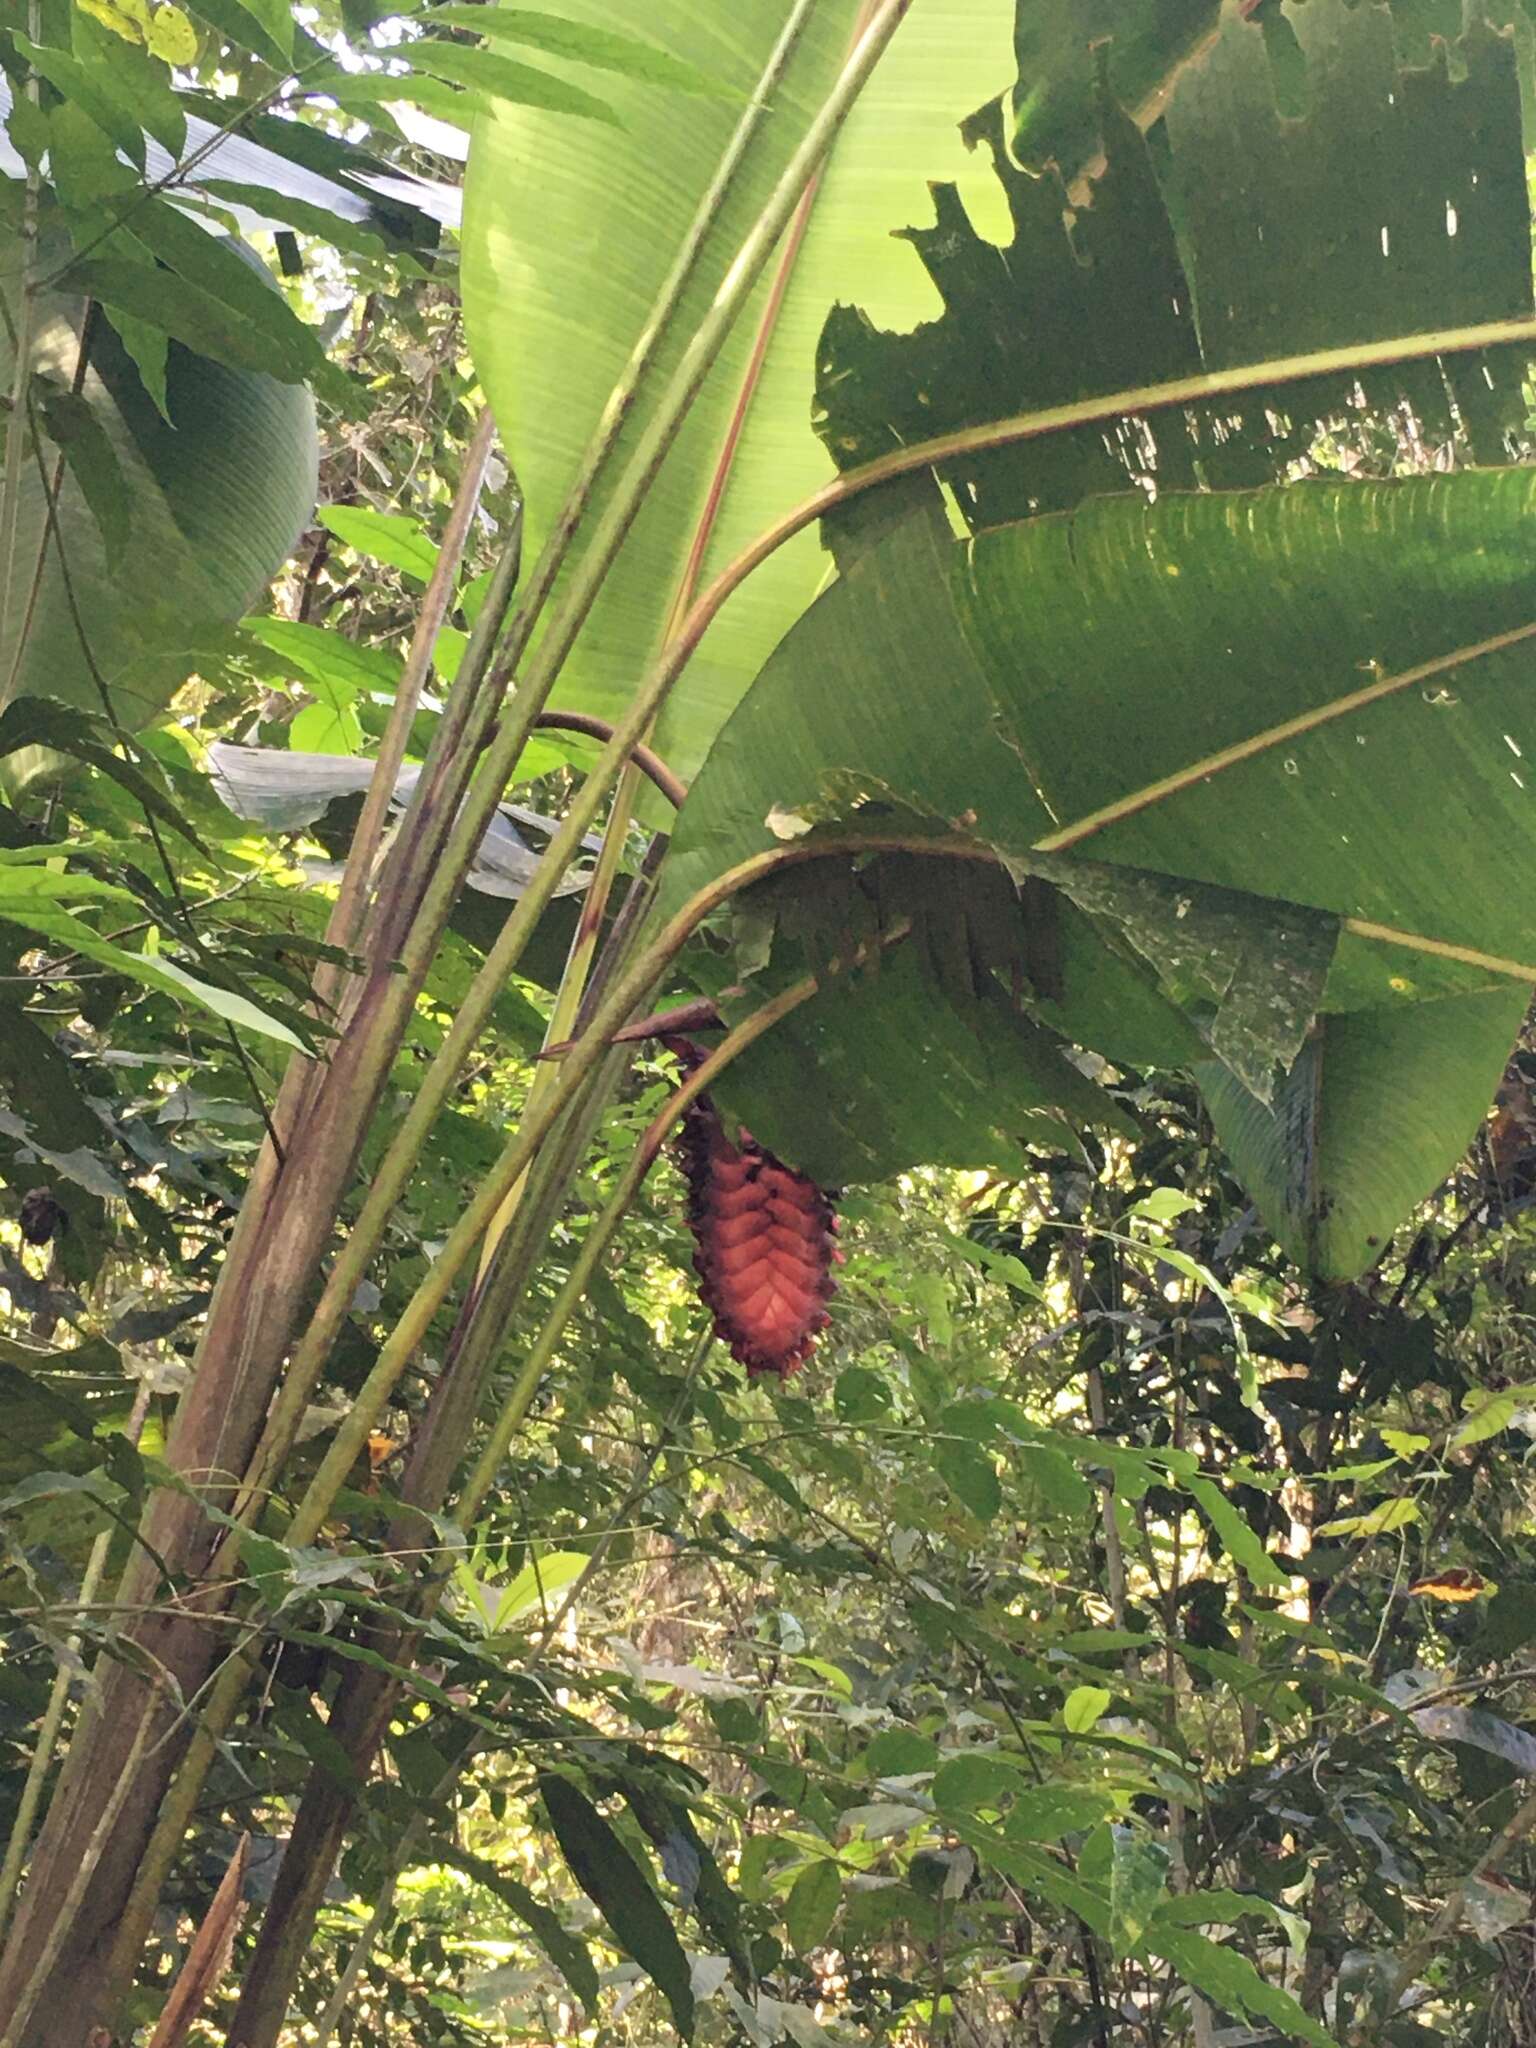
[[615, 1884], [932, 649], [1118, 724], [633, 192], [963, 1071], [1059, 52], [568, 1952], [1120, 298], [1228, 1978]]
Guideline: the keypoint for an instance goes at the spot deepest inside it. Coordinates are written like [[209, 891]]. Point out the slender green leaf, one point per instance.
[[1227, 1977], [80, 86], [1138, 1877], [366, 92], [32, 907], [323, 222], [132, 78], [275, 19], [1240, 1542], [330, 660], [70, 422], [568, 1952], [603, 48], [488, 73], [615, 1884]]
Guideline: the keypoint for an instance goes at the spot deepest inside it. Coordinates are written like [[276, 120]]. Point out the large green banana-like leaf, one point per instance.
[[1224, 691], [1309, 700], [189, 520], [569, 231], [1394, 203]]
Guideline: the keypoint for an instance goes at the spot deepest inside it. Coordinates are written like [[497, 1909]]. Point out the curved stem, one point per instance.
[[650, 764], [1059, 419]]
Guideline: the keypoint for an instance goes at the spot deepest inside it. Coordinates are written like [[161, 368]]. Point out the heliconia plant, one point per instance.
[[1131, 770]]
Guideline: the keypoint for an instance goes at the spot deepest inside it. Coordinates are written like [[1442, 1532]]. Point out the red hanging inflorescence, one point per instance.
[[766, 1239]]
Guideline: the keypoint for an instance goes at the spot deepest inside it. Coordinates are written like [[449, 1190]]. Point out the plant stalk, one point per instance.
[[501, 755], [363, 1707], [18, 424]]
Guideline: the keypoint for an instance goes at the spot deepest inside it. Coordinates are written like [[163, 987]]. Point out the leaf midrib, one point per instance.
[[1259, 743]]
